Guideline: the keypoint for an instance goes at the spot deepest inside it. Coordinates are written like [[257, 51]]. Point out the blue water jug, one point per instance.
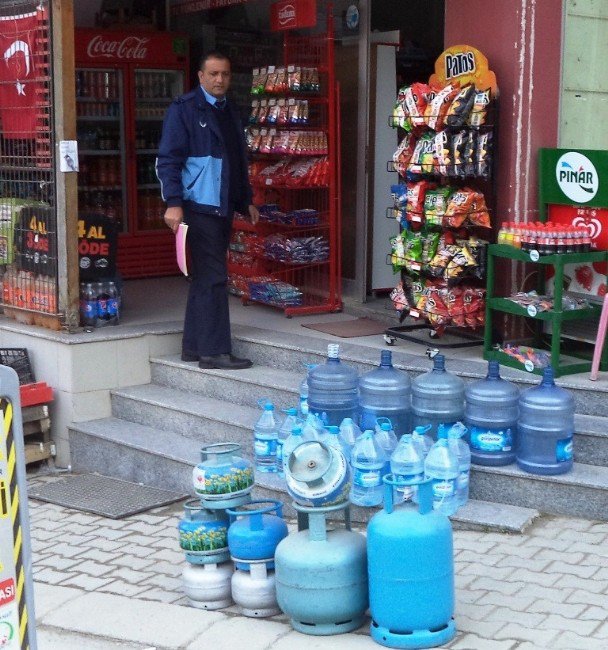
[[546, 428], [332, 389], [411, 573], [368, 461], [437, 397], [385, 392], [490, 414], [441, 466]]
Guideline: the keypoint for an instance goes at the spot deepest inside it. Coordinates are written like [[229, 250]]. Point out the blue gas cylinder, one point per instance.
[[385, 392], [255, 532], [332, 389], [411, 572], [437, 397], [203, 534], [321, 574], [490, 414], [546, 428]]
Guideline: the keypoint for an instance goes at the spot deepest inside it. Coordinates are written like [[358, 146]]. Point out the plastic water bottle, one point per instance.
[[368, 461], [313, 428], [407, 465], [441, 465], [437, 397], [385, 392], [289, 423], [304, 391], [265, 434], [349, 431], [546, 427], [386, 438], [422, 441], [490, 414], [334, 439], [294, 439], [332, 389], [88, 304], [463, 453]]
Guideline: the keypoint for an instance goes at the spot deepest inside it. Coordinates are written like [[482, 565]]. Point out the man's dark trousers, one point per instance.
[[207, 322]]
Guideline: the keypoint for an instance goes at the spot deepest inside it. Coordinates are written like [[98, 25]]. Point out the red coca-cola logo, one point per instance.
[[130, 47]]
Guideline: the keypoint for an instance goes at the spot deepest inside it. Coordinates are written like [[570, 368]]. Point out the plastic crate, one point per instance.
[[19, 361]]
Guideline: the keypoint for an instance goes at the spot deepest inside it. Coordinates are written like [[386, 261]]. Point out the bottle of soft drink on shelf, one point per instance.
[[265, 434], [113, 304], [102, 304], [88, 305]]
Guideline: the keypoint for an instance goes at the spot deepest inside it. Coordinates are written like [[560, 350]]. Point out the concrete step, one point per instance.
[[143, 454], [591, 439], [243, 387], [284, 351]]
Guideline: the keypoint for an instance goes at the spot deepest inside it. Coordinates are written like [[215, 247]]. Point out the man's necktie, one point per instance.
[[220, 104]]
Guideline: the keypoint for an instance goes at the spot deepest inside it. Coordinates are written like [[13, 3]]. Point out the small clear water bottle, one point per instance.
[[437, 397], [291, 420], [406, 465], [349, 431], [459, 446], [441, 466], [265, 435], [335, 440], [313, 428], [294, 439], [385, 392], [368, 461], [422, 440], [546, 428], [303, 408]]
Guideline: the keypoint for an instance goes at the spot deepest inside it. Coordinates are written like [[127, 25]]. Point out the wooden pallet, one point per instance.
[[37, 433]]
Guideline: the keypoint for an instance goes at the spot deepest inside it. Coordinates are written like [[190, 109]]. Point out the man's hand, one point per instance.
[[254, 213], [173, 217]]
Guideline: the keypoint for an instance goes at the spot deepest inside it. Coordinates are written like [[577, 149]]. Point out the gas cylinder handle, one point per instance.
[[425, 493], [256, 513], [218, 448], [315, 519], [317, 527]]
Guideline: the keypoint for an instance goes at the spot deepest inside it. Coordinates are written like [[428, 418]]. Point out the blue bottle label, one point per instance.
[[90, 307], [112, 307], [367, 478], [279, 451], [484, 439], [443, 489], [563, 450], [265, 447]]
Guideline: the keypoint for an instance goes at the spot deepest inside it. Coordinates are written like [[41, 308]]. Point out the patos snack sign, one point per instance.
[[293, 14], [104, 48]]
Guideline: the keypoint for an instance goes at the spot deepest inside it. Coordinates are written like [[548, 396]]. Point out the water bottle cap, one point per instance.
[[422, 429], [346, 421], [333, 350], [291, 411], [332, 429], [269, 407], [441, 432], [297, 431], [439, 362], [386, 426], [368, 433]]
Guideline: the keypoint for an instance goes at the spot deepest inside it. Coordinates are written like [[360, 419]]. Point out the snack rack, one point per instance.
[[291, 259], [442, 284]]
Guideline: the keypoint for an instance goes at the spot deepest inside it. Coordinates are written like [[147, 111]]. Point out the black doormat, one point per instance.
[[103, 495]]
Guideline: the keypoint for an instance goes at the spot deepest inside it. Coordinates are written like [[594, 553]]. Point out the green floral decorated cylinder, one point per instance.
[[203, 534], [223, 478]]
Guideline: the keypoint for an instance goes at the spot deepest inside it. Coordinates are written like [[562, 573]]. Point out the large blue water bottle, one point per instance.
[[332, 389], [546, 428], [441, 466], [490, 414], [385, 392], [437, 397], [265, 434], [410, 561], [368, 461]]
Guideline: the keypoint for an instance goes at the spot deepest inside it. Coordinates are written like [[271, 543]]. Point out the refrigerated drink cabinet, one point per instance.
[[125, 82]]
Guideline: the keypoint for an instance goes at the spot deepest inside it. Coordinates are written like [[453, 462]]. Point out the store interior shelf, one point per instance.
[[512, 253], [510, 307]]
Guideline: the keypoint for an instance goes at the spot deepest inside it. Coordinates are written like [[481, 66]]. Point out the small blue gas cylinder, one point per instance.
[[255, 531], [203, 534], [411, 572], [321, 574]]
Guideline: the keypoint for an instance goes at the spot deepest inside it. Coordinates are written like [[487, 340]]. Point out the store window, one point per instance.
[[584, 109]]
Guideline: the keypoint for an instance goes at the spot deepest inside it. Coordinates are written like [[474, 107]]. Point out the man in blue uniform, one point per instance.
[[202, 167]]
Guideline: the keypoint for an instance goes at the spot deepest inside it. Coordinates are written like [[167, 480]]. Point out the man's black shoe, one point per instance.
[[224, 362], [188, 356]]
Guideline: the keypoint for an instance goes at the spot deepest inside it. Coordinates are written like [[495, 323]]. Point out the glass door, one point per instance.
[[154, 91], [101, 143]]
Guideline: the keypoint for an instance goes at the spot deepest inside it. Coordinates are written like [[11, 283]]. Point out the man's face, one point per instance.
[[215, 76]]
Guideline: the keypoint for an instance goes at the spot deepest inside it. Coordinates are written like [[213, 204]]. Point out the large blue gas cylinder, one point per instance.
[[321, 574], [411, 572], [255, 532], [546, 428], [385, 392]]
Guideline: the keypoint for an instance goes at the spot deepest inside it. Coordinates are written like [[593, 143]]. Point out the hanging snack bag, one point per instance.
[[442, 153], [440, 260], [399, 194], [397, 252], [483, 155], [403, 155], [399, 116], [436, 110], [479, 250], [458, 146], [294, 78], [435, 205], [255, 110], [259, 81], [430, 242], [460, 108], [415, 101], [415, 195], [455, 305], [478, 214], [469, 153], [398, 298], [479, 112], [459, 206], [421, 161]]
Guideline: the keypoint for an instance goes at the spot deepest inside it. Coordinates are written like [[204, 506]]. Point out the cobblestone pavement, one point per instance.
[[547, 588]]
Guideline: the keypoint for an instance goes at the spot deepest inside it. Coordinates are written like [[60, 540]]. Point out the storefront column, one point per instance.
[[66, 183]]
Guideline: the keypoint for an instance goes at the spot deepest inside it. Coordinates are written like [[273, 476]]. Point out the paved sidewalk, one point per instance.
[[104, 584]]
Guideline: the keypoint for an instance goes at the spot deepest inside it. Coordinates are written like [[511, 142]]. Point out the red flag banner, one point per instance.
[[18, 75]]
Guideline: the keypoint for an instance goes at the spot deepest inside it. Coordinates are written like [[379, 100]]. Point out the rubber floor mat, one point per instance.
[[103, 495]]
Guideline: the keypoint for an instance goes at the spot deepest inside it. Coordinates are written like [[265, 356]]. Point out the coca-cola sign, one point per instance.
[[129, 48], [286, 15]]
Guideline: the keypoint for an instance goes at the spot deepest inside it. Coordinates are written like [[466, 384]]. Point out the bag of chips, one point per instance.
[[435, 204], [483, 155], [478, 214], [460, 108], [415, 101], [437, 108], [459, 206], [458, 145], [403, 155], [479, 112]]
